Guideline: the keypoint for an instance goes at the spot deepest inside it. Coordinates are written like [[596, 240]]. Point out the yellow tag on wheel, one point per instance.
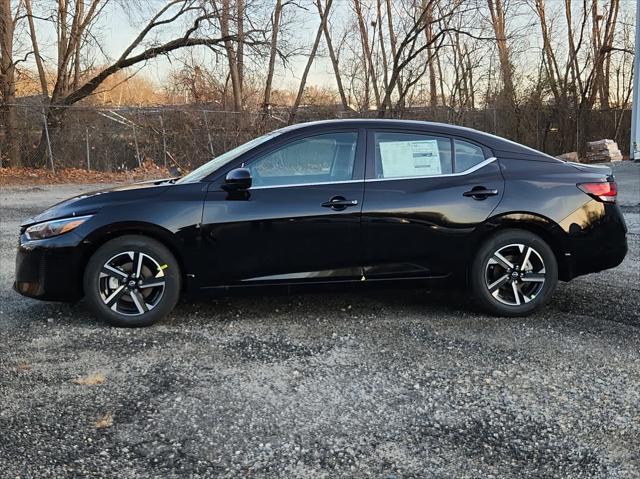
[[164, 266]]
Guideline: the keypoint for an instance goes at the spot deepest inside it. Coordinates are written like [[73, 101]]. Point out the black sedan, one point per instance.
[[333, 201]]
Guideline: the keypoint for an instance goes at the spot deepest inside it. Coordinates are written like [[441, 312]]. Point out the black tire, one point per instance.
[[131, 304], [527, 287]]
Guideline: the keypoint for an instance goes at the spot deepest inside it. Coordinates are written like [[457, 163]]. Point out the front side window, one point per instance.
[[406, 155], [317, 159]]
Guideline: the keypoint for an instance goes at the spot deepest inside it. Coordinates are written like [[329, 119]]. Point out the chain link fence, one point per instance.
[[114, 139]]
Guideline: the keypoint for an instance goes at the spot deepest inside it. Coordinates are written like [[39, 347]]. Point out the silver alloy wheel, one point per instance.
[[131, 283], [515, 274]]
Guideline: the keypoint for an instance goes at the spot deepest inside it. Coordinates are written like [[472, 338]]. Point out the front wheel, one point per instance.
[[514, 273], [132, 281]]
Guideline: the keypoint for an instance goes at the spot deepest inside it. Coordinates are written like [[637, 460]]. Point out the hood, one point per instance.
[[89, 203]]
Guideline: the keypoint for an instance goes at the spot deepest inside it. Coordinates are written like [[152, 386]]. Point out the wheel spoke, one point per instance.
[[498, 283], [137, 263], [533, 277], [113, 272], [524, 296], [526, 258], [151, 283], [138, 299], [113, 298], [516, 293], [502, 260]]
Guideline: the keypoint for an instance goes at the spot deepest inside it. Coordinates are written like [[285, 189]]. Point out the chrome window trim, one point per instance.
[[462, 173], [294, 185], [482, 164]]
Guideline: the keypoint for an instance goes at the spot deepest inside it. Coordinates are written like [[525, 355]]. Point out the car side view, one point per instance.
[[333, 201]]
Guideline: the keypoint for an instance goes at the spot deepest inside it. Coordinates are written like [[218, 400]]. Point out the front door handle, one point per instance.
[[339, 203], [480, 192]]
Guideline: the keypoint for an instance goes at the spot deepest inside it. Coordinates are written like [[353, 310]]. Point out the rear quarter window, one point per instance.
[[467, 155]]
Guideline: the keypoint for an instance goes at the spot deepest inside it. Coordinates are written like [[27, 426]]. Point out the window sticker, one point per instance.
[[410, 158]]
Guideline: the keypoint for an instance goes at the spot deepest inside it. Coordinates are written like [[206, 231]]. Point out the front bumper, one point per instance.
[[50, 269]]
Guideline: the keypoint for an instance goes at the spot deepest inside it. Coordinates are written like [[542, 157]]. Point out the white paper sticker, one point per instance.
[[410, 158]]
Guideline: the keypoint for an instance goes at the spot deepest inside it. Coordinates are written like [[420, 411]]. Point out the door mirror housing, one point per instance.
[[238, 179]]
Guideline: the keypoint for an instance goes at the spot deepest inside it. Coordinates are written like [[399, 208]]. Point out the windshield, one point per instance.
[[205, 170]]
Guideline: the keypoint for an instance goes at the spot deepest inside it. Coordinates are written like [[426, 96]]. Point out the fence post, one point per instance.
[[537, 129], [206, 124], [495, 120], [135, 141], [578, 131], [164, 141], [46, 132], [86, 135]]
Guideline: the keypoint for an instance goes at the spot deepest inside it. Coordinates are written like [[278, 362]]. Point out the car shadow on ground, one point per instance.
[[579, 299]]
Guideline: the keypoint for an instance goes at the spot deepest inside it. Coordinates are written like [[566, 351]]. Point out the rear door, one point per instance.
[[299, 221], [424, 196]]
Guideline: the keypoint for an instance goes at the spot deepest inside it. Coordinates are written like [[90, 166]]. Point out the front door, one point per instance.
[[299, 221], [424, 196]]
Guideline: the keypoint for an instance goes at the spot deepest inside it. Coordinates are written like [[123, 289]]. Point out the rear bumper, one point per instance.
[[50, 269], [600, 244]]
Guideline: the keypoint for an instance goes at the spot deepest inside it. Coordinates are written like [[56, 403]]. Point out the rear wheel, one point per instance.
[[514, 273], [132, 281]]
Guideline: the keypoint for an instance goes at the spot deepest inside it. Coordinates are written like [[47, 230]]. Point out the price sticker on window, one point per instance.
[[410, 158]]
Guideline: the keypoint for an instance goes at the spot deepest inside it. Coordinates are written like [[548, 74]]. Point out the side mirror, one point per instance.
[[237, 180]]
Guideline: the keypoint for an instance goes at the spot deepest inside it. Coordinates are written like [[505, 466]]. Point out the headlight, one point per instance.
[[54, 228]]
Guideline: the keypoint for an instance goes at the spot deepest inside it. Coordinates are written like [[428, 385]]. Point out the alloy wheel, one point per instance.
[[131, 283], [515, 274]]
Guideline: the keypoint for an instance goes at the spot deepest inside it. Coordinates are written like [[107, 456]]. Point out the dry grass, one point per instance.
[[38, 176], [104, 421], [91, 379], [23, 366]]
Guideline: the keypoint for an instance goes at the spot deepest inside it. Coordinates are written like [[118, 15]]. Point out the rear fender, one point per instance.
[[540, 225]]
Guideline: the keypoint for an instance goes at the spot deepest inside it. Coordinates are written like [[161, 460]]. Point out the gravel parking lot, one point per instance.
[[398, 383]]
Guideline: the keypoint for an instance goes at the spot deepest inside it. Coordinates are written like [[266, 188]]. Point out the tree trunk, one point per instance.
[[367, 51], [496, 8], [394, 48], [428, 31], [36, 50], [231, 57], [8, 84], [277, 13], [334, 58], [240, 21], [607, 44], [383, 52], [312, 54]]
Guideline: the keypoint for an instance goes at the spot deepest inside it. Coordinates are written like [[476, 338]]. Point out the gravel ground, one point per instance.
[[401, 383]]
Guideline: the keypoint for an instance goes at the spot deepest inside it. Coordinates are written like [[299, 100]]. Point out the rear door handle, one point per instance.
[[339, 203], [480, 192]]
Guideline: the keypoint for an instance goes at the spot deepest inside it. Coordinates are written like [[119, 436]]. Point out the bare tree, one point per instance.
[[139, 51], [366, 49], [334, 58], [36, 50], [496, 8], [232, 59], [312, 55], [8, 81], [273, 52]]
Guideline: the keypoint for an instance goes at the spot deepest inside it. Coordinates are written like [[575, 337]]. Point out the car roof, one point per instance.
[[497, 144]]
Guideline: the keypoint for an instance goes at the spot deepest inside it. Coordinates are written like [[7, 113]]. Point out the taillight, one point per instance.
[[605, 191]]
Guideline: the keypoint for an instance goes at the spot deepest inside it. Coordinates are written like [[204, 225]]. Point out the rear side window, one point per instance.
[[320, 158], [403, 155], [467, 155]]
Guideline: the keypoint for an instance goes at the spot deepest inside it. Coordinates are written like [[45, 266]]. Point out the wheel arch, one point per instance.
[[102, 235], [537, 224]]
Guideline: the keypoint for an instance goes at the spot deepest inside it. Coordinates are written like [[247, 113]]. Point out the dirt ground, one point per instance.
[[385, 384]]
